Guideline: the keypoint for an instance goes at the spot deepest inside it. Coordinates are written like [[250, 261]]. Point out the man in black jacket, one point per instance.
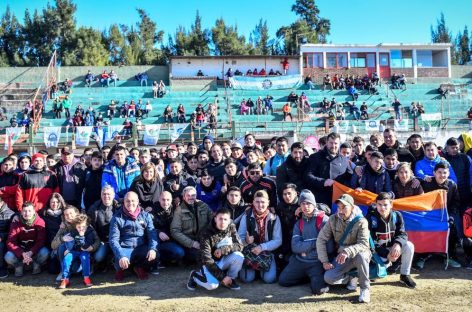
[[387, 230], [220, 254], [390, 141], [70, 174], [6, 214], [235, 204], [177, 180], [93, 180], [293, 169], [256, 182], [325, 167]]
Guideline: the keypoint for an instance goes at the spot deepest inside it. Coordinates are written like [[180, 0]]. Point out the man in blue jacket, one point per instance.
[[120, 172], [133, 239], [424, 169]]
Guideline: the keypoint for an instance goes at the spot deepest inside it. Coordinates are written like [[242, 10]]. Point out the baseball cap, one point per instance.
[[172, 147], [67, 150], [236, 145], [346, 199]]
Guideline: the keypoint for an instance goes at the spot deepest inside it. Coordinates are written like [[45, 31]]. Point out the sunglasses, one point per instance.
[[254, 172]]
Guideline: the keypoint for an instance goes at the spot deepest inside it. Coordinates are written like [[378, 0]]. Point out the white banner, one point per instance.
[[372, 125], [178, 130], [401, 125], [12, 134], [151, 134], [431, 116], [52, 136], [112, 131], [265, 83], [82, 135]]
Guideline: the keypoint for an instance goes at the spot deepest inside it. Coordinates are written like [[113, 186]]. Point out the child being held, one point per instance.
[[78, 248]]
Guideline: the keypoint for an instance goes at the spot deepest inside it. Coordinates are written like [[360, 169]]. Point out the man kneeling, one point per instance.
[[387, 229], [220, 254], [304, 261], [351, 233]]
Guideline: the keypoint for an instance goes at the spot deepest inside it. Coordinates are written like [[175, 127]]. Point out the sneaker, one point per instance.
[[155, 269], [88, 282], [323, 290], [352, 285], [119, 275], [3, 273], [234, 285], [64, 283], [364, 296], [36, 268], [191, 284], [408, 281], [19, 270], [453, 263], [420, 263], [141, 273]]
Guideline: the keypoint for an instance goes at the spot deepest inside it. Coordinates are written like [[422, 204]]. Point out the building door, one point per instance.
[[370, 63], [384, 64]]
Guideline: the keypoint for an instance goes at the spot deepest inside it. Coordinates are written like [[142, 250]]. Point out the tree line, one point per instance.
[[32, 41]]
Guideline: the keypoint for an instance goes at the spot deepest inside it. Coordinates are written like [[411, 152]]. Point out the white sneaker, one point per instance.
[[352, 285], [364, 296]]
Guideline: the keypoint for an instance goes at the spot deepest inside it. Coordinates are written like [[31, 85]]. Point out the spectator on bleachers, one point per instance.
[[443, 91], [104, 79], [364, 113], [200, 117], [66, 104], [327, 82], [285, 65], [212, 122], [251, 105], [375, 78], [292, 98], [142, 78], [79, 110], [402, 82], [113, 78], [271, 72], [132, 109], [200, 73], [255, 72], [89, 78], [111, 109], [147, 109], [262, 72], [397, 107], [353, 92], [309, 82], [268, 104], [238, 73], [260, 107], [394, 81], [89, 120], [168, 114], [287, 110], [78, 120], [155, 89]]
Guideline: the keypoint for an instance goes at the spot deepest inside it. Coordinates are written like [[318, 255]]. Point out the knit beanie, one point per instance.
[[36, 156], [307, 196]]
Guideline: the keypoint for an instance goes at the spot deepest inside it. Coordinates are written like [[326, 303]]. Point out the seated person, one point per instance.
[[327, 82], [292, 97], [238, 73], [353, 92], [168, 114], [89, 78], [350, 231], [142, 78], [402, 82], [220, 254], [249, 72], [375, 78], [309, 82], [443, 91], [387, 230], [200, 73], [133, 239], [261, 233], [113, 77], [268, 104], [104, 79], [255, 72], [271, 72], [161, 89], [304, 261], [364, 113], [287, 110], [262, 72], [244, 109], [375, 177]]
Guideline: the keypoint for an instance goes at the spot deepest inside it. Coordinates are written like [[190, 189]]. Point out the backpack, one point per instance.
[[319, 222]]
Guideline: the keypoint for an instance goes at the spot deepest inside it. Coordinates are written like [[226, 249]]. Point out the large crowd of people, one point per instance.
[[238, 211]]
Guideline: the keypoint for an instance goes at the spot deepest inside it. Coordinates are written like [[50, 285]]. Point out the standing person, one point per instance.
[[261, 233], [120, 172], [133, 239], [26, 241], [70, 173], [350, 231], [390, 141], [304, 261], [255, 182], [287, 209], [387, 230], [325, 167], [93, 180], [6, 215], [220, 254], [209, 190], [66, 104], [36, 185], [235, 204], [270, 168], [190, 219], [8, 182], [415, 146], [425, 167], [293, 169]]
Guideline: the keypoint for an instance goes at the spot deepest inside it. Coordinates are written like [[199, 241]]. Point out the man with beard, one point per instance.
[[256, 182], [177, 180], [293, 169], [390, 141], [216, 167]]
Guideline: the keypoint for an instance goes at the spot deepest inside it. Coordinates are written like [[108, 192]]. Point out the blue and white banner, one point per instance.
[[151, 134], [112, 131], [82, 135], [52, 136], [265, 83], [372, 125], [179, 128]]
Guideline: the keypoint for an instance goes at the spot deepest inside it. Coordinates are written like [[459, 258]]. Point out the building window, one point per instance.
[[424, 58], [312, 60], [358, 60], [401, 59], [336, 60]]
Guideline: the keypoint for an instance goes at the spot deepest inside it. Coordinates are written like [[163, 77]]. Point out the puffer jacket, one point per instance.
[[290, 172], [189, 222], [212, 238], [128, 233], [120, 178], [373, 181], [304, 241], [100, 217], [425, 167], [356, 241]]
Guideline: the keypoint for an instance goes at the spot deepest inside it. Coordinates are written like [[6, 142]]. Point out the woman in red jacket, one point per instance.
[[26, 241]]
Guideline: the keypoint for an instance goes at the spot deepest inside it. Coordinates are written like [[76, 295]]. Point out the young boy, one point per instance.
[[220, 254], [304, 261], [79, 247], [93, 180], [375, 178]]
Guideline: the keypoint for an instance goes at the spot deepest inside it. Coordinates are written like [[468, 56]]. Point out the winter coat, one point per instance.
[[356, 241], [120, 178], [217, 170], [148, 192], [8, 185], [425, 167], [77, 172], [237, 211], [406, 190], [92, 186], [183, 179], [290, 172], [272, 241], [128, 233], [236, 180], [37, 187], [212, 238], [453, 198], [249, 188], [100, 218], [304, 238], [162, 218], [53, 223], [23, 238], [404, 155], [189, 222], [210, 195], [82, 242], [6, 214], [373, 181], [462, 166]]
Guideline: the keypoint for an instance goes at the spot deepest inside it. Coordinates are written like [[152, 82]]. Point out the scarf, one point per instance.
[[28, 222], [261, 221], [133, 215], [54, 213]]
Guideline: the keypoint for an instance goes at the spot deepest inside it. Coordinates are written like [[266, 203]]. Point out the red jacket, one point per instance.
[[467, 220], [36, 187], [8, 184], [23, 238]]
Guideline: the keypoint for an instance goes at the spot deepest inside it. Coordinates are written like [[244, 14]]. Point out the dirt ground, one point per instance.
[[438, 290]]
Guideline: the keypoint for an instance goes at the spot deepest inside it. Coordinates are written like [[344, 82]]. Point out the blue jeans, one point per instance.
[[269, 277], [136, 256], [101, 253], [171, 252], [40, 258], [67, 260], [398, 114]]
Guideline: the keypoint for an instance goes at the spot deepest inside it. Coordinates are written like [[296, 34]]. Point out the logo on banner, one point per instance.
[[52, 139], [267, 84], [372, 125]]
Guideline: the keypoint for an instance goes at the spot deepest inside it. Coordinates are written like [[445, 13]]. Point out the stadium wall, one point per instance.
[[461, 71]]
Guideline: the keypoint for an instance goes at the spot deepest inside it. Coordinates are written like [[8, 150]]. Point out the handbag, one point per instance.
[[377, 267], [260, 262]]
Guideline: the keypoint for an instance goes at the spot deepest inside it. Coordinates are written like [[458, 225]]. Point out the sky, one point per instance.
[[356, 22]]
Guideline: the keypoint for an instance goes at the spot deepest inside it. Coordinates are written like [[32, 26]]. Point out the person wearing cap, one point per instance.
[[255, 182], [260, 232], [353, 252], [120, 172], [304, 261], [387, 230], [293, 169], [325, 167], [8, 182], [238, 155], [36, 185], [70, 174]]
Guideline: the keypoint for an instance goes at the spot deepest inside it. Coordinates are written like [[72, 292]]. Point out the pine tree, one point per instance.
[[463, 48]]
